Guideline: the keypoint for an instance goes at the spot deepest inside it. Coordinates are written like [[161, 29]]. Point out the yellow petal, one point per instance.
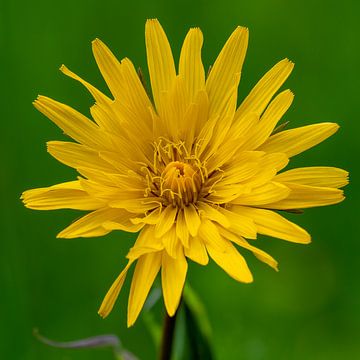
[[131, 100], [68, 195], [190, 65], [91, 224], [209, 234], [321, 176], [272, 115], [160, 61], [144, 275], [197, 251], [265, 89], [74, 124], [166, 221], [213, 213], [194, 119], [134, 205], [260, 254], [174, 107], [294, 141], [224, 75], [231, 262], [97, 94], [171, 242], [117, 225], [151, 219], [134, 95], [145, 243], [192, 219], [173, 275], [272, 224], [263, 195], [77, 156], [113, 293], [107, 118], [224, 194], [304, 196], [182, 231], [239, 224], [109, 66]]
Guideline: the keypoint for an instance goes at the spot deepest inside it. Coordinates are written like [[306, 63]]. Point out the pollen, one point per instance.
[[181, 183]]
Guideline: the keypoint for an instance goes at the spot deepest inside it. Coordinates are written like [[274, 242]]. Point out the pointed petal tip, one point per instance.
[[131, 318], [64, 235], [242, 28], [130, 324], [102, 313], [38, 98], [171, 311], [151, 23], [96, 41], [152, 20]]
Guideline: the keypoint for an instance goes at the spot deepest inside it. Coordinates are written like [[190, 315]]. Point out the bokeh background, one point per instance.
[[309, 310]]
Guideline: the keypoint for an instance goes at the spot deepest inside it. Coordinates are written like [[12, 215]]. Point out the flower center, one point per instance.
[[181, 183]]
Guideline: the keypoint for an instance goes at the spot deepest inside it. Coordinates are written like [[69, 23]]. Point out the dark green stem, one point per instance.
[[167, 336]]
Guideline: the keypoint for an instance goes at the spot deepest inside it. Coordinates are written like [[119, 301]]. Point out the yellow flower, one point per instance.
[[194, 173]]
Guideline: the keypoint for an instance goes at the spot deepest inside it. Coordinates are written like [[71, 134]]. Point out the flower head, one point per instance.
[[193, 173]]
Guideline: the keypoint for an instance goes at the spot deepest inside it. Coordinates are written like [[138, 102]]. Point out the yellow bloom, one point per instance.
[[193, 173]]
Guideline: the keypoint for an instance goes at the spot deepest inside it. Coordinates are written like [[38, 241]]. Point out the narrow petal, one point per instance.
[[151, 219], [109, 66], [166, 221], [197, 251], [241, 225], [272, 224], [265, 89], [224, 75], [191, 68], [134, 94], [231, 262], [263, 195], [67, 195], [124, 83], [145, 243], [260, 254], [107, 118], [74, 124], [174, 107], [160, 61], [192, 219], [113, 293], [304, 196], [272, 115], [90, 225], [321, 176], [182, 231], [213, 213], [295, 141], [173, 275], [97, 94], [78, 156], [209, 234], [171, 242], [147, 267]]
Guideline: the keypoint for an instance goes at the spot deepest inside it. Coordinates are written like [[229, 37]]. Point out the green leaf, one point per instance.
[[197, 326]]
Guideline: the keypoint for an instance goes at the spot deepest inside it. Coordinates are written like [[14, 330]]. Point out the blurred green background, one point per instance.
[[309, 310]]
